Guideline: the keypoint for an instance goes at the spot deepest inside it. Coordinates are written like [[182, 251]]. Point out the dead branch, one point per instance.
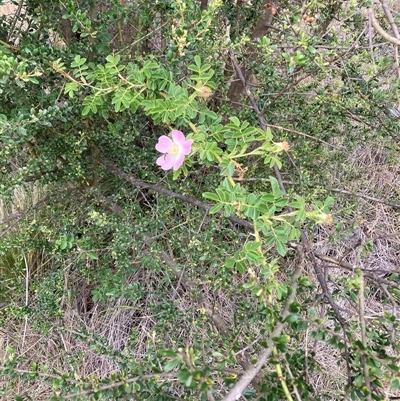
[[385, 35], [157, 188]]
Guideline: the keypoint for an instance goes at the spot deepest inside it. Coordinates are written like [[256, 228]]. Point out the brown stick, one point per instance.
[[157, 188], [238, 86], [380, 30]]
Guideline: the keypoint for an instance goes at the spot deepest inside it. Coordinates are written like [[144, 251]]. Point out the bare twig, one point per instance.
[[17, 217], [380, 30], [313, 138], [157, 188], [395, 30], [371, 274], [214, 316], [294, 83], [218, 321], [358, 195], [11, 217], [15, 19], [295, 390], [157, 376], [370, 41], [390, 19]]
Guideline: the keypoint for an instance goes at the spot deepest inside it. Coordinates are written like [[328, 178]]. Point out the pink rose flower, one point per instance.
[[174, 150]]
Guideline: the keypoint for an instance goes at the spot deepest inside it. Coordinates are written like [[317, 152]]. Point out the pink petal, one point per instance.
[[177, 137], [187, 146], [165, 162], [164, 144], [179, 158]]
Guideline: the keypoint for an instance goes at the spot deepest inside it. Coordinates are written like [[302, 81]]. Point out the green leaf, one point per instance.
[[92, 255], [10, 350], [63, 244], [329, 201], [360, 345], [275, 187], [281, 247], [113, 60], [395, 383], [252, 246], [267, 198], [292, 318], [281, 203], [241, 266], [230, 262], [172, 364], [303, 281], [183, 376], [194, 68], [205, 68], [86, 110], [249, 286], [252, 213], [197, 60], [223, 196], [169, 353], [211, 195], [71, 88], [33, 80], [254, 257], [78, 61], [228, 168], [216, 208], [283, 339], [395, 368], [294, 307], [189, 381], [235, 121], [229, 210], [301, 215], [358, 381]]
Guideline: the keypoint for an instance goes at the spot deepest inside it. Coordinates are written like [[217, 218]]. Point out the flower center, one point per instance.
[[174, 150]]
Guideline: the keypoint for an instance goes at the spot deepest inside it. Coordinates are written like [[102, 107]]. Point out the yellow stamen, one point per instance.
[[174, 150]]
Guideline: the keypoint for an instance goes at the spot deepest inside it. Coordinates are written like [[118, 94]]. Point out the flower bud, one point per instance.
[[204, 92]]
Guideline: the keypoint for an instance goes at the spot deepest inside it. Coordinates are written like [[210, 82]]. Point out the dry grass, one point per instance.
[[7, 9], [374, 224]]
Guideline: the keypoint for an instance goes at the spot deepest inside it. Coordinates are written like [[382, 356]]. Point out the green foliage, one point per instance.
[[125, 268]]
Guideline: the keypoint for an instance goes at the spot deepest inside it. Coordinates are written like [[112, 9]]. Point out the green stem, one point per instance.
[[257, 151], [281, 378]]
